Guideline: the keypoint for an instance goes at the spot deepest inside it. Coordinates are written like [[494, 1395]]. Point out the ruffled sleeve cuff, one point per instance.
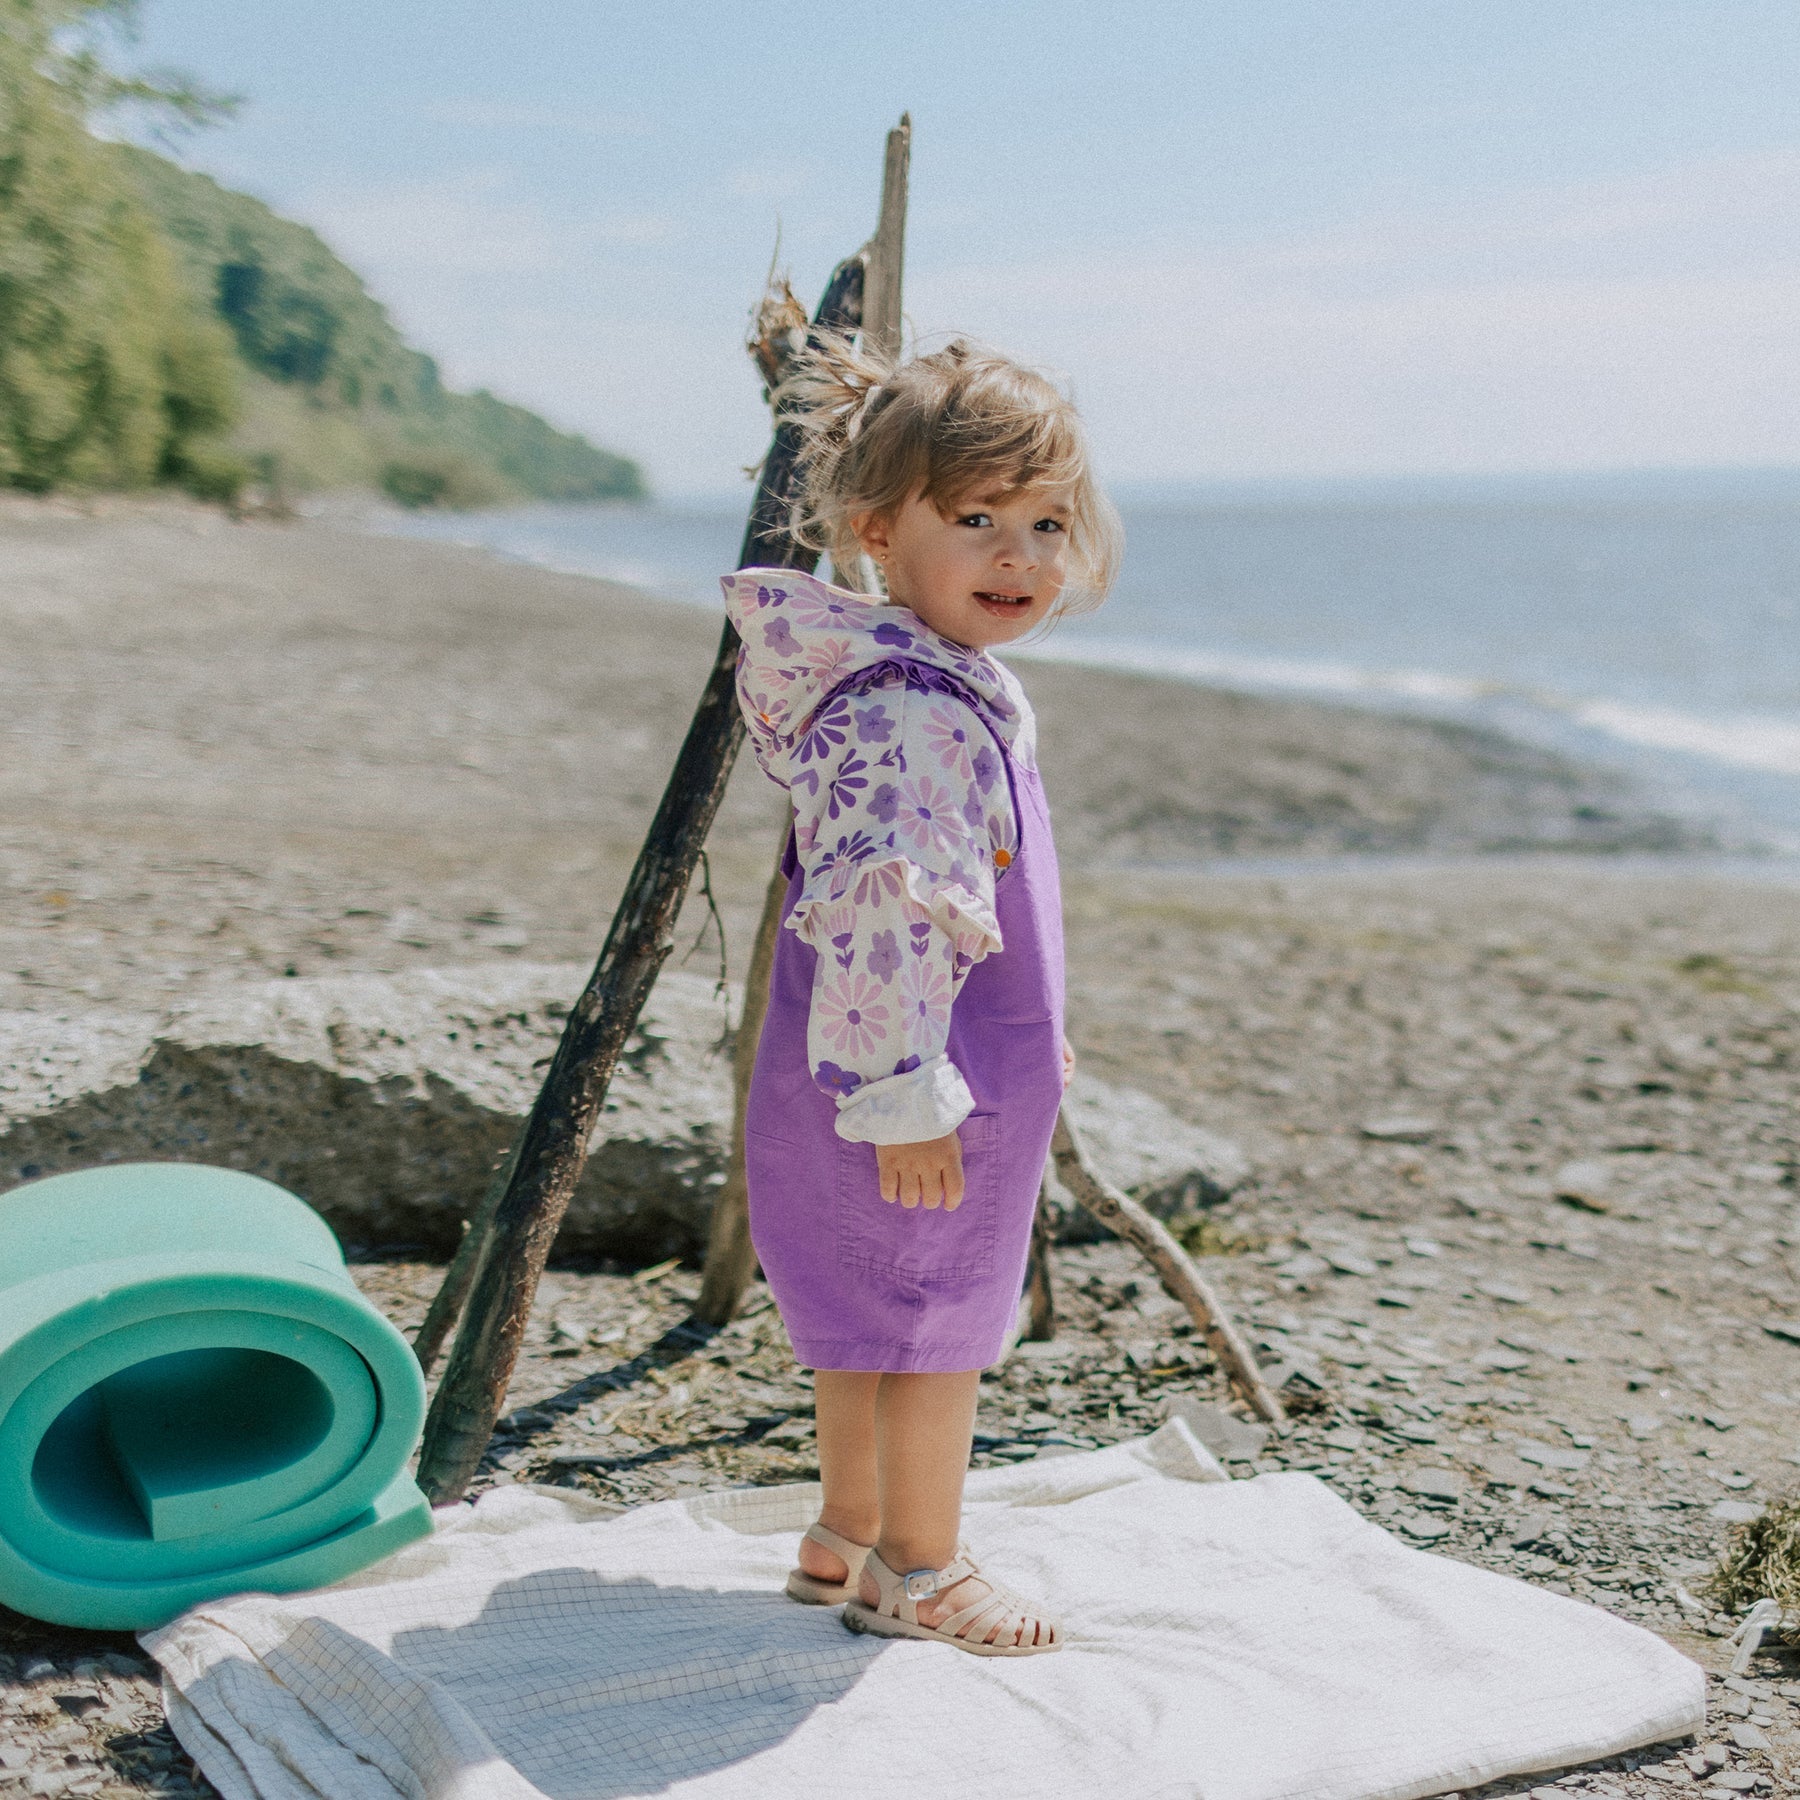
[[925, 1103]]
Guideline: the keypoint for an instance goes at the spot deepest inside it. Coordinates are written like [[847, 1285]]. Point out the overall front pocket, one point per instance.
[[920, 1243]]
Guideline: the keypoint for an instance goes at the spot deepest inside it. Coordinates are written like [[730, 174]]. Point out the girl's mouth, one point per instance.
[[1004, 606]]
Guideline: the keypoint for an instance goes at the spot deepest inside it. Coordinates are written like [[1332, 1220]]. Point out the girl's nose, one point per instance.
[[1017, 550]]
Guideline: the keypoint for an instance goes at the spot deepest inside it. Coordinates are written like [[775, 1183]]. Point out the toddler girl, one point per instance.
[[913, 1059]]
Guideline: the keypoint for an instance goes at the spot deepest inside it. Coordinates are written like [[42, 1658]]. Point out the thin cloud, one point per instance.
[[1586, 325], [501, 115]]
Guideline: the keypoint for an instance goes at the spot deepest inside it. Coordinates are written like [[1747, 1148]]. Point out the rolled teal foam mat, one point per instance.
[[194, 1398]]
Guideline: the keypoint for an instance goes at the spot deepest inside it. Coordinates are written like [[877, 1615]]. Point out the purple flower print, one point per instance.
[[778, 634], [847, 852], [873, 726], [766, 711], [838, 927], [906, 1065], [925, 1003], [873, 885], [830, 661], [972, 813], [947, 731], [897, 637], [920, 933], [835, 1080], [825, 735], [849, 1011], [926, 809], [986, 766], [819, 607], [846, 784], [884, 803], [770, 596], [884, 955]]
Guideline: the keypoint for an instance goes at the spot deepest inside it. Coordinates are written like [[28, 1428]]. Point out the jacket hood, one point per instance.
[[805, 640]]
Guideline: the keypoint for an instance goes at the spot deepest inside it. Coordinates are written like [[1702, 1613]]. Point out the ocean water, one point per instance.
[[1649, 621]]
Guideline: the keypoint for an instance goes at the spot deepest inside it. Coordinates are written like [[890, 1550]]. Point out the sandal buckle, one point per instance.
[[921, 1584]]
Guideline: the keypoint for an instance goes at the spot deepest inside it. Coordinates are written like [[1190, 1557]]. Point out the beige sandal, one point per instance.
[[896, 1612], [809, 1590]]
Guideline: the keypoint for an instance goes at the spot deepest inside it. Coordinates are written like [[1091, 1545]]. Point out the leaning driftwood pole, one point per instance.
[[730, 1259], [886, 250], [447, 1303], [730, 1256], [1145, 1232], [553, 1145], [1040, 1283]]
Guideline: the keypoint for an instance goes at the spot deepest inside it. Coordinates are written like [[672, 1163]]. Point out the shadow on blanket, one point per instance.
[[589, 1688]]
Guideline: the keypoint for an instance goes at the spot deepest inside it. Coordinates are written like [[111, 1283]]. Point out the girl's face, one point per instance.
[[985, 573]]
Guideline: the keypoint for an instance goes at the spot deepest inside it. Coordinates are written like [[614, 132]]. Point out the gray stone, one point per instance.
[[1434, 1484], [1734, 1512], [1783, 1328], [1749, 1737], [1553, 1456], [1175, 1169], [1505, 1291], [1347, 1262], [1584, 1184], [1228, 1437], [383, 1100], [1400, 1128], [1425, 1530]]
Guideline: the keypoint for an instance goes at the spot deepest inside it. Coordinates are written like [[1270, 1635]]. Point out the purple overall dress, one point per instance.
[[864, 1283]]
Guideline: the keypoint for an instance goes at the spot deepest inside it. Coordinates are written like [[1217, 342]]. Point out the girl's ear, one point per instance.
[[875, 532]]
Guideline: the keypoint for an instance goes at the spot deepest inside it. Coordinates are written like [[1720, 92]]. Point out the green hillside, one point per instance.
[[110, 376], [155, 327], [331, 387]]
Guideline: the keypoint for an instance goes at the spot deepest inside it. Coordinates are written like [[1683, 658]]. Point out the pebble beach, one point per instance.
[[1508, 1047]]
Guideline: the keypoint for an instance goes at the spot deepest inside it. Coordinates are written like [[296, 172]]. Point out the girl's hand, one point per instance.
[[1068, 1064], [928, 1174]]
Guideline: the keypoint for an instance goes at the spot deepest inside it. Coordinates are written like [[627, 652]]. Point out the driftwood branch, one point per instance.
[[886, 252], [1040, 1289], [553, 1145], [447, 1303], [1145, 1232], [730, 1257]]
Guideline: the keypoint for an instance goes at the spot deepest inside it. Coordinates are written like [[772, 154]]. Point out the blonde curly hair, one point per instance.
[[946, 426]]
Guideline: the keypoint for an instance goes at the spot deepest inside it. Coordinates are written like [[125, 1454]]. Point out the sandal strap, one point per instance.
[[1000, 1617], [853, 1553], [896, 1602]]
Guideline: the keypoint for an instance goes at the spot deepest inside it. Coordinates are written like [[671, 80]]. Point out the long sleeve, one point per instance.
[[903, 820]]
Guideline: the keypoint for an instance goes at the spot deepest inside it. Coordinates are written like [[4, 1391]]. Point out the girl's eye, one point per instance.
[[975, 519], [1048, 525]]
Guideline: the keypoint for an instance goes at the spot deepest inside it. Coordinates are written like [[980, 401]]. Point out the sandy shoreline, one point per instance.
[[262, 749], [362, 751]]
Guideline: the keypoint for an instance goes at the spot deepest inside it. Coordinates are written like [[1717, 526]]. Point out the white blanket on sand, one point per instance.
[[1228, 1640]]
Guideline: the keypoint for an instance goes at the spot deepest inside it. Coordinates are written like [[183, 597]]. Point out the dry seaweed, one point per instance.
[[1762, 1561]]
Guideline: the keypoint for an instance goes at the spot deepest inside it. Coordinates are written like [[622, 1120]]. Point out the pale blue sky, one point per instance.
[[1261, 237]]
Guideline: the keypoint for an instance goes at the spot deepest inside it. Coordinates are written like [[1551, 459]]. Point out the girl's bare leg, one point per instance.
[[924, 1426], [846, 1402]]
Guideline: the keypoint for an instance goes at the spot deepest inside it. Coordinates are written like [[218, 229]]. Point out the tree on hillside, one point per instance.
[[109, 374]]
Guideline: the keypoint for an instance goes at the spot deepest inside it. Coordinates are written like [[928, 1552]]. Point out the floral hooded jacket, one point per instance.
[[884, 735]]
